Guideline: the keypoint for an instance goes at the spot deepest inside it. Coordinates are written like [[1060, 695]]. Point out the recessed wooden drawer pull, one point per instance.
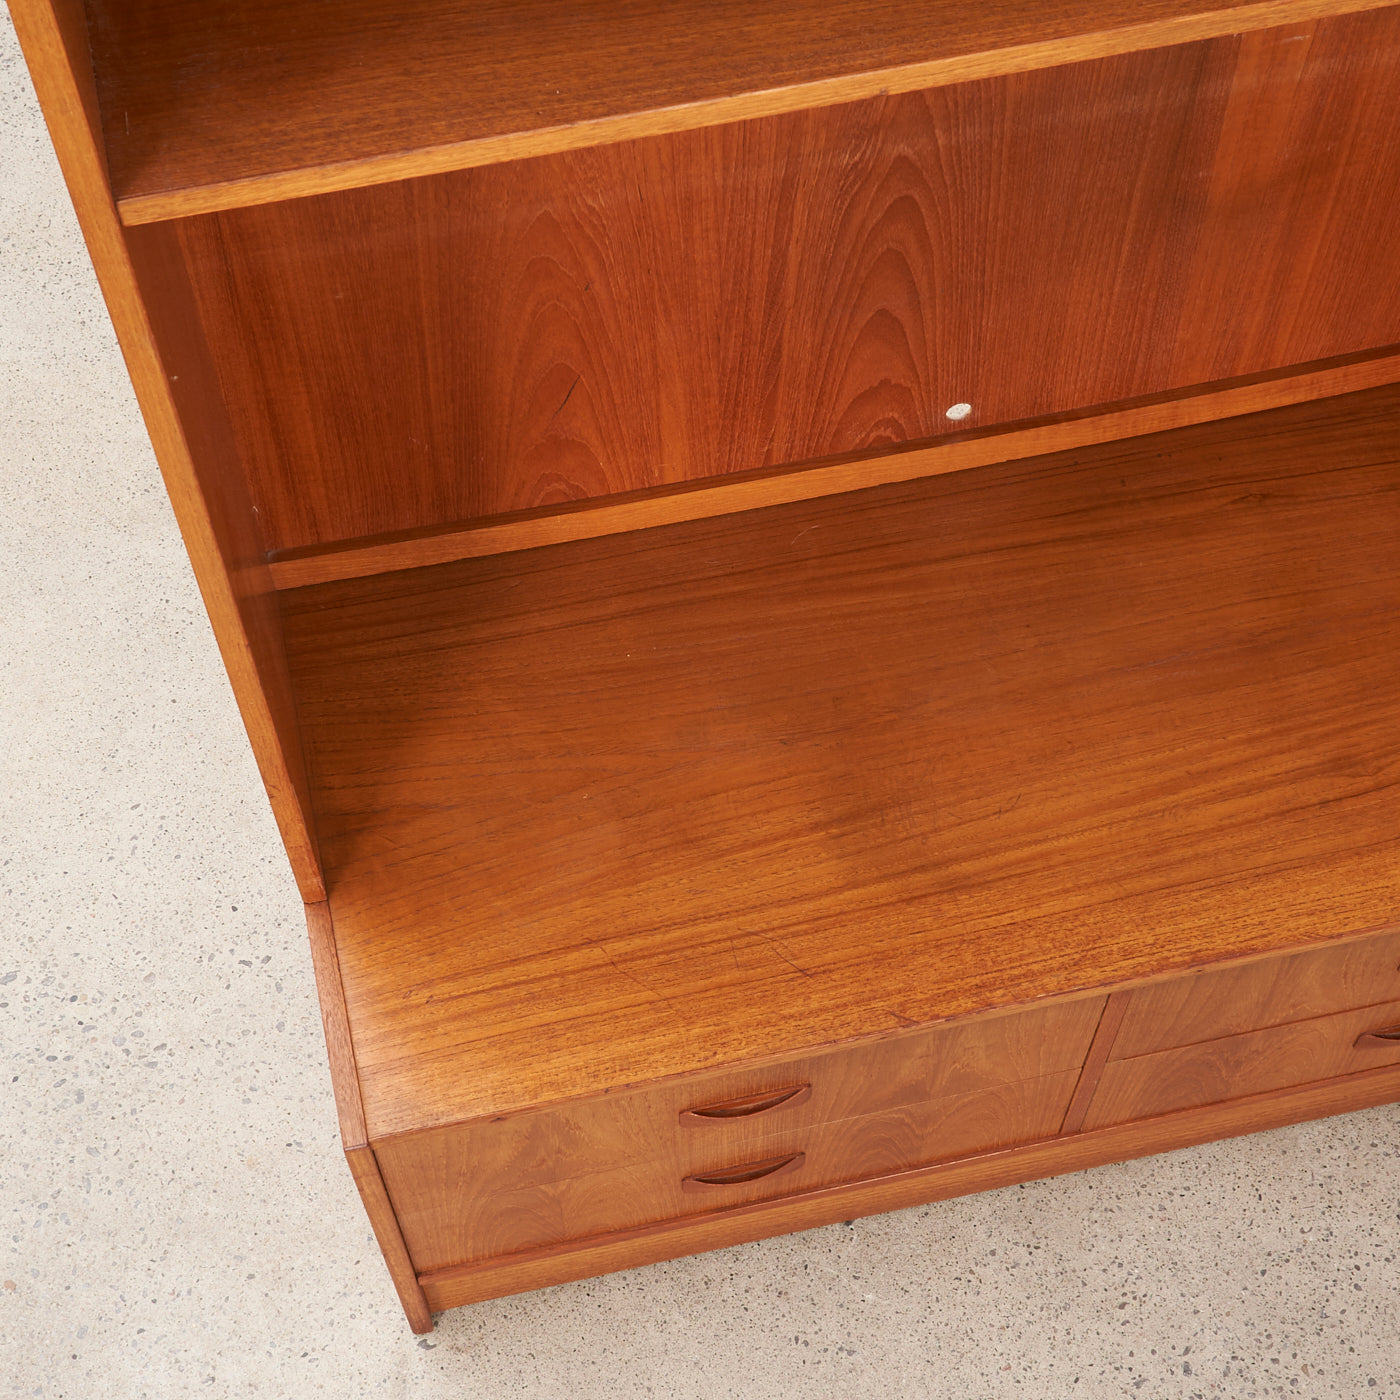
[[747, 1106], [750, 1171], [1389, 1036]]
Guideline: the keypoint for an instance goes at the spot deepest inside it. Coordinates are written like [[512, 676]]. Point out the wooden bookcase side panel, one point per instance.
[[176, 387], [210, 105], [471, 1283], [521, 336]]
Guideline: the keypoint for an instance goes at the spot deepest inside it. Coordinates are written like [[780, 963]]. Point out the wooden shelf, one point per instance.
[[217, 105], [620, 809]]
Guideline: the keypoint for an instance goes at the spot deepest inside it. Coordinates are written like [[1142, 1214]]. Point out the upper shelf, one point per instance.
[[225, 103]]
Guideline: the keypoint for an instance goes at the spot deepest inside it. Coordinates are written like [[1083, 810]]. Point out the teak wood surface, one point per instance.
[[1279, 1057], [209, 104], [618, 1160], [821, 283], [453, 1223], [1219, 1002], [698, 500], [609, 812], [469, 1283]]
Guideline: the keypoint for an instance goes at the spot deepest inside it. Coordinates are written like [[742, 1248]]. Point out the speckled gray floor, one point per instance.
[[177, 1219]]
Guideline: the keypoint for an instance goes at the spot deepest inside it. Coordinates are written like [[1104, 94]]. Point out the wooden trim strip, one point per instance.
[[670, 505], [628, 126], [1101, 1047], [345, 1081], [58, 60], [629, 1249], [364, 1167], [335, 1021]]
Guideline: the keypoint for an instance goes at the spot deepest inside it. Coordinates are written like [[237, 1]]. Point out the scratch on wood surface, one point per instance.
[[777, 948], [631, 976], [567, 397]]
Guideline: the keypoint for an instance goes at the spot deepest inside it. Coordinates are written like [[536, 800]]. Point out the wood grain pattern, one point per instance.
[[670, 505], [1105, 1034], [585, 1136], [1217, 1002], [211, 105], [340, 1049], [215, 517], [451, 1222], [1310, 107], [474, 1187], [364, 1168], [778, 291], [471, 1283], [385, 1225], [873, 761], [1234, 1066]]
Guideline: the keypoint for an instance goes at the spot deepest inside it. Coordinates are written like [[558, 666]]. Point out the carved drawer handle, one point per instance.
[[750, 1171], [747, 1106], [1373, 1039]]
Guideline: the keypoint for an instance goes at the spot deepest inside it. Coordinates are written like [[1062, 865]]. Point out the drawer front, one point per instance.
[[473, 1226], [663, 1134], [669, 1121], [1281, 1057], [1208, 1005]]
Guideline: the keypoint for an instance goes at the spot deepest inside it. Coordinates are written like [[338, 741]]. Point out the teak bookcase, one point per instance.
[[813, 585]]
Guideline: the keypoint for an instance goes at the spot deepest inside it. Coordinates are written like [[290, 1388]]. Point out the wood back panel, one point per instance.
[[609, 811], [142, 278], [739, 491], [784, 289], [1279, 1057], [1227, 1001]]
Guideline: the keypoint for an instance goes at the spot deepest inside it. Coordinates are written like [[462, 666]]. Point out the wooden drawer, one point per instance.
[[636, 1146], [473, 1225], [1210, 1004], [1279, 1057]]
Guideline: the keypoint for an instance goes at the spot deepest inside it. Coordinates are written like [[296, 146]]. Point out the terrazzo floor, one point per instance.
[[178, 1220]]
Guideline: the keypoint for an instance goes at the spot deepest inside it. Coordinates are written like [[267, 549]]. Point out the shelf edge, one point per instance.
[[302, 182], [670, 505]]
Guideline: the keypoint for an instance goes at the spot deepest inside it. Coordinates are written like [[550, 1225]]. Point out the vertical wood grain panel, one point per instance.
[[1106, 1033], [823, 282], [1299, 239]]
